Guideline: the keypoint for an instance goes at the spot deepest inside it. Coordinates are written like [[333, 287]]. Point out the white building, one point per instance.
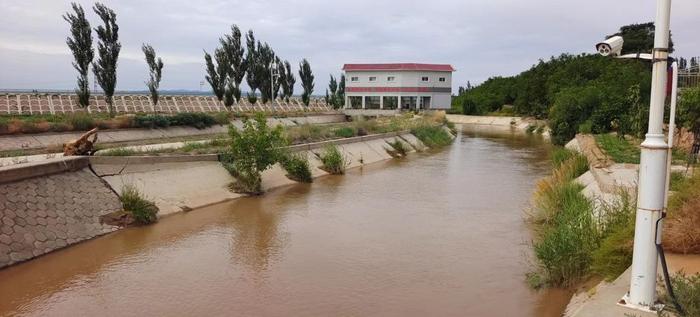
[[401, 85]]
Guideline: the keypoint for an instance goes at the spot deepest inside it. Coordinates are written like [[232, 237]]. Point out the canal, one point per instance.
[[438, 234]]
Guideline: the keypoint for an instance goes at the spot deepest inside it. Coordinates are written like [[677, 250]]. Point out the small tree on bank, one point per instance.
[[253, 149], [307, 81], [108, 48], [341, 91], [155, 71], [80, 44]]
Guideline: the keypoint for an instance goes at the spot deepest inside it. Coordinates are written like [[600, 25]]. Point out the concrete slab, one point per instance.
[[602, 301], [414, 142], [397, 138], [275, 177], [380, 146], [177, 186]]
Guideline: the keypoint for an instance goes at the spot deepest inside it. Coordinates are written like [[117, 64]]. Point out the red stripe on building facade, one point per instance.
[[398, 89]]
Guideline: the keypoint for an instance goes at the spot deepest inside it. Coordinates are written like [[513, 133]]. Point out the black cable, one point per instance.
[[664, 267]]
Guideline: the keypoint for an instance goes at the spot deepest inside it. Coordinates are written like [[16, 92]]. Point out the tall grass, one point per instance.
[[297, 167], [687, 291], [616, 223], [619, 149], [334, 162], [398, 148], [432, 135], [143, 210], [681, 227]]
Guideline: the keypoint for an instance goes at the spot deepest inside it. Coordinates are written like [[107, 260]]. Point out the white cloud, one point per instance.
[[481, 38]]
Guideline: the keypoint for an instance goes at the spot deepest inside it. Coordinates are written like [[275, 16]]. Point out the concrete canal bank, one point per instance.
[[57, 202], [439, 233]]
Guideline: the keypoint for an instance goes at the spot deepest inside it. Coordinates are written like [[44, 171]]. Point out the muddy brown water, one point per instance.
[[438, 234]]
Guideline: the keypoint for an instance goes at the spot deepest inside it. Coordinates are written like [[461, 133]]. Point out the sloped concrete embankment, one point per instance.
[[180, 183], [518, 124], [49, 205]]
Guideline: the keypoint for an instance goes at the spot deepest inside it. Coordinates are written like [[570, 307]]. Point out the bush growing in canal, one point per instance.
[[253, 150], [333, 160], [297, 167], [143, 210], [432, 135], [399, 148], [681, 226]]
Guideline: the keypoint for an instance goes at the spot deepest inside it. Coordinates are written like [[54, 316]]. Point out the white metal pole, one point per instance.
[[671, 131], [652, 173]]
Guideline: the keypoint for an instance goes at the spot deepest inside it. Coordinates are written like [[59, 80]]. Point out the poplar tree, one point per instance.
[[80, 44], [289, 81], [341, 91], [155, 71], [251, 62], [108, 48], [264, 58], [217, 72], [232, 45], [277, 83], [282, 79], [333, 88], [307, 81]]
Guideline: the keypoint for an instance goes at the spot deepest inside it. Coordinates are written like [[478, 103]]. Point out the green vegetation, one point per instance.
[[297, 167], [399, 148], [344, 132], [619, 149], [689, 109], [253, 150], [155, 71], [108, 48], [683, 221], [571, 242], [687, 291], [143, 210], [80, 44], [614, 255], [432, 135], [334, 162]]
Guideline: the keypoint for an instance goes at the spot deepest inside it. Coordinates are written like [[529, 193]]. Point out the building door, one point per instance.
[[425, 102], [408, 103]]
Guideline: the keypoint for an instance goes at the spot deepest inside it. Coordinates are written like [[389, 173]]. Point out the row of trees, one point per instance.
[[258, 64], [335, 93], [108, 48], [577, 93]]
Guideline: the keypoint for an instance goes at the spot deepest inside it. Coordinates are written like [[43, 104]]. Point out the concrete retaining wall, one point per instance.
[[177, 183], [44, 207]]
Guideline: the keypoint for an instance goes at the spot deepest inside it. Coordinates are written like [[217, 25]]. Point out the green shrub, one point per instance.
[[81, 121], [143, 210], [618, 148], [432, 135], [687, 291], [193, 119], [399, 148], [564, 251], [614, 255], [152, 121], [344, 132], [253, 150], [586, 127], [334, 162], [222, 118], [297, 167]]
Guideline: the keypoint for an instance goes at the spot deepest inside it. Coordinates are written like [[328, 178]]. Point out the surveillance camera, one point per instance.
[[611, 46]]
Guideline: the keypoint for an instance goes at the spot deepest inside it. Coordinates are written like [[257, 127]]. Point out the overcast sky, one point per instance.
[[480, 38]]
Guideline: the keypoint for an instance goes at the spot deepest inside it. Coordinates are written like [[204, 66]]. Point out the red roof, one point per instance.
[[399, 67]]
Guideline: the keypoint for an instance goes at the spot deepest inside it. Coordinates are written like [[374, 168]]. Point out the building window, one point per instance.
[[425, 78], [390, 78], [354, 78], [442, 79], [372, 78]]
